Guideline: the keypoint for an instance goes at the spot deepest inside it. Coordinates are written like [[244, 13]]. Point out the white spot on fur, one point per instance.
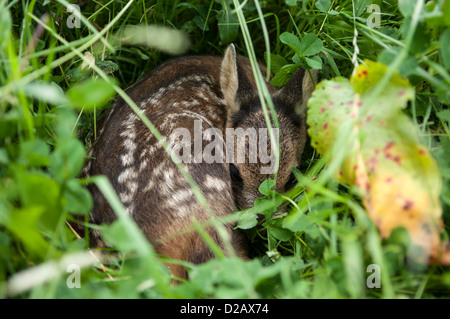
[[181, 201], [130, 145], [169, 178], [128, 195], [143, 165], [125, 197], [151, 150], [216, 183], [183, 211], [158, 170], [130, 209], [126, 175], [181, 196], [131, 119], [87, 168], [127, 159], [96, 233], [154, 99], [168, 124], [106, 121], [195, 102], [202, 95], [150, 186]]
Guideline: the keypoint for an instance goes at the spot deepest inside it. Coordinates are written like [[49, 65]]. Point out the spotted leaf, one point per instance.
[[375, 148]]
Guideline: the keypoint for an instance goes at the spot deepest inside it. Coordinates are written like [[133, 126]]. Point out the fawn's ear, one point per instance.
[[235, 86], [298, 90]]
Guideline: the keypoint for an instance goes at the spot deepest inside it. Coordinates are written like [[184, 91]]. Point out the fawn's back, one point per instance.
[[191, 93], [177, 94]]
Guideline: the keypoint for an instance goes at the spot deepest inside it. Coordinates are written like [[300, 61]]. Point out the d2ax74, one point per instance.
[[246, 308]]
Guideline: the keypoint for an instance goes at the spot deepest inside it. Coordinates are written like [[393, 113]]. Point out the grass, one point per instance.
[[322, 249]]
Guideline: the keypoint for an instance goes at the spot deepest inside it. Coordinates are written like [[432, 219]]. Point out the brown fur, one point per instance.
[[155, 194], [246, 112]]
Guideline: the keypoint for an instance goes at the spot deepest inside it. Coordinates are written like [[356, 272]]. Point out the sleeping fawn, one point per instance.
[[208, 111]]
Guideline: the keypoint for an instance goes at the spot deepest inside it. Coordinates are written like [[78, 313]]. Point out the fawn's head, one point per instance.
[[257, 162]]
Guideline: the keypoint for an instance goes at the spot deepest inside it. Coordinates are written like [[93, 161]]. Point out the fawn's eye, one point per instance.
[[236, 176], [292, 181]]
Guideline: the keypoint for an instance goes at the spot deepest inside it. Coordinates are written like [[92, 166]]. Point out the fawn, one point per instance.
[[192, 93]]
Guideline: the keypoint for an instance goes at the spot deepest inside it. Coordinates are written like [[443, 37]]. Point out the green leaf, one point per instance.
[[48, 92], [298, 222], [433, 14], [314, 63], [266, 186], [447, 13], [443, 95], [200, 23], [310, 44], [276, 62], [291, 3], [291, 40], [323, 5], [406, 7], [22, 222], [445, 47], [162, 38], [4, 157], [34, 153], [67, 160], [444, 160], [279, 232], [39, 190], [353, 264], [444, 115], [408, 65], [65, 123], [228, 23], [116, 236], [247, 219], [297, 59], [422, 39], [267, 204], [361, 6], [5, 25], [107, 66], [78, 199], [77, 74], [324, 116], [283, 76], [91, 93]]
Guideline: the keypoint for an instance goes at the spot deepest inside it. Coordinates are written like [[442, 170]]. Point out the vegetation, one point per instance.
[[58, 71]]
